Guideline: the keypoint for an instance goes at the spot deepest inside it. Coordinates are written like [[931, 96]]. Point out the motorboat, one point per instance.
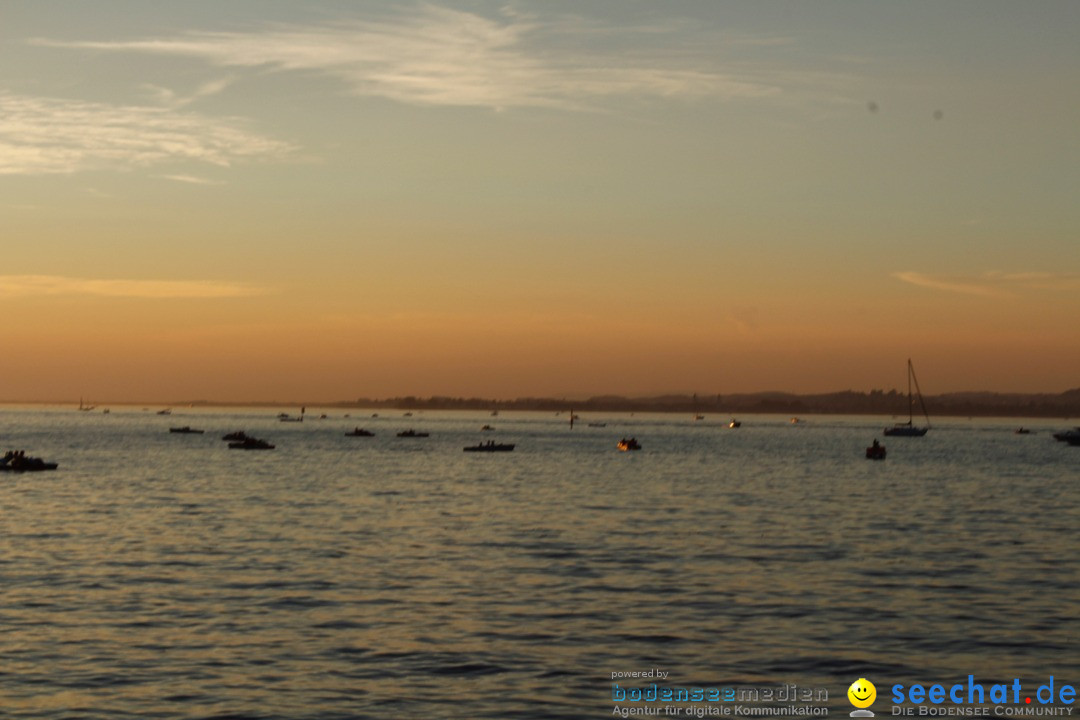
[[360, 432], [875, 451], [251, 444], [909, 429], [490, 446], [186, 430], [734, 423], [631, 444], [411, 434], [239, 435], [166, 411], [17, 461], [487, 427], [1067, 435]]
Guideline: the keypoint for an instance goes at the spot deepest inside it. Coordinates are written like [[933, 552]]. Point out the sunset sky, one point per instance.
[[314, 201]]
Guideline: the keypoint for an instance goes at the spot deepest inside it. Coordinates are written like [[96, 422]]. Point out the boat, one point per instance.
[[909, 429], [238, 435], [875, 451], [631, 444], [795, 421], [186, 430], [1021, 431], [84, 408], [487, 427], [490, 446], [1074, 440], [166, 411], [699, 417], [1067, 435], [285, 417], [17, 461], [411, 434], [734, 423], [251, 444], [360, 432], [597, 424]]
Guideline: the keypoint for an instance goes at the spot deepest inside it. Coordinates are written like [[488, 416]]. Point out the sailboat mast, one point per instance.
[[910, 400], [918, 389]]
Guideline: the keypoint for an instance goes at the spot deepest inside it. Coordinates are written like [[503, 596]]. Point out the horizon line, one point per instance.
[[360, 402]]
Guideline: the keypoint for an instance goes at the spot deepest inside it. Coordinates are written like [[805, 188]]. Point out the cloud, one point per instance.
[[53, 135], [39, 285], [169, 98], [994, 283], [439, 56], [190, 179], [1039, 280]]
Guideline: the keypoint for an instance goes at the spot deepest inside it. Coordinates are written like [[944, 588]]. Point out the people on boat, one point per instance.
[[17, 460], [489, 446], [876, 451]]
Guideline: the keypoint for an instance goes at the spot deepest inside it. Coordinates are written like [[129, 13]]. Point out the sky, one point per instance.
[[255, 200]]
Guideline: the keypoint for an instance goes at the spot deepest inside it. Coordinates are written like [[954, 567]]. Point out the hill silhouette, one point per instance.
[[846, 402]]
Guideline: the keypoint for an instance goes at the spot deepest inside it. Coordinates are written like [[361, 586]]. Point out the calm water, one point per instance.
[[165, 576]]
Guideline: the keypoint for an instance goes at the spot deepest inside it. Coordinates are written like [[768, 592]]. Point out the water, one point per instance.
[[157, 575]]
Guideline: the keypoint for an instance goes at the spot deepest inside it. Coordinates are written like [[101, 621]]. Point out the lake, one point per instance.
[[159, 575]]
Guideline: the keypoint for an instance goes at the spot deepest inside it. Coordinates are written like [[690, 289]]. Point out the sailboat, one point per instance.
[[909, 429]]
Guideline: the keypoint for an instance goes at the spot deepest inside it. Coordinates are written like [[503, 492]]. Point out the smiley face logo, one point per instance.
[[862, 693]]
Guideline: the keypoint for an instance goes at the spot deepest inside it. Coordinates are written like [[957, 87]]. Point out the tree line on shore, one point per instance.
[[848, 402]]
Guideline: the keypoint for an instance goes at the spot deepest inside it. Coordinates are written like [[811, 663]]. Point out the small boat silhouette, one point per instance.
[[411, 434]]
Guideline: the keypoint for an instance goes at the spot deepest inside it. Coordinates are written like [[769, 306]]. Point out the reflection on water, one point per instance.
[[158, 575]]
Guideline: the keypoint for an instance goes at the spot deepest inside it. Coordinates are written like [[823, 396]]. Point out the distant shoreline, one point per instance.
[[877, 402]]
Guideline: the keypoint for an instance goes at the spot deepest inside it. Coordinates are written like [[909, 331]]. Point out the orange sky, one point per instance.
[[316, 202]]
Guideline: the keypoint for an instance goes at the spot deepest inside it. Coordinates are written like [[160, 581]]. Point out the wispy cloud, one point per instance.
[[52, 135], [38, 285], [994, 283], [168, 97], [438, 56], [190, 179]]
